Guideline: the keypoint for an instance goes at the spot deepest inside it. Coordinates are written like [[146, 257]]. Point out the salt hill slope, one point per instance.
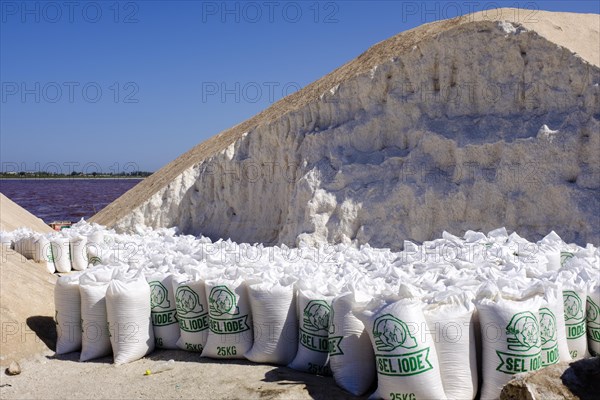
[[466, 123]]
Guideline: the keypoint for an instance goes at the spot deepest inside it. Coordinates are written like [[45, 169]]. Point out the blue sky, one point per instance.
[[116, 86]]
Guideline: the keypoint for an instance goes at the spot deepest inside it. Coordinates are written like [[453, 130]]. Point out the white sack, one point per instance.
[[230, 332], [313, 333], [67, 302], [164, 310], [593, 320], [275, 323], [59, 246], [552, 327], [43, 253], [128, 316], [95, 339], [192, 313], [78, 252], [510, 336], [451, 320], [351, 356], [405, 355], [574, 299]]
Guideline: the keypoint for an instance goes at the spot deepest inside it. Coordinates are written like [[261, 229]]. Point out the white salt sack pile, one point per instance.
[[306, 306]]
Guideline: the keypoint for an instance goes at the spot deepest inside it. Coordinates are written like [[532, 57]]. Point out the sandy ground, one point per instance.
[[26, 307], [63, 377], [26, 292]]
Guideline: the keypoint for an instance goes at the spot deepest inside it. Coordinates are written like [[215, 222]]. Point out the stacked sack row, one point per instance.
[[444, 319], [63, 251]]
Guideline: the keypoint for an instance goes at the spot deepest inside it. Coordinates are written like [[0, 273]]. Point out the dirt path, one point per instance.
[[48, 377]]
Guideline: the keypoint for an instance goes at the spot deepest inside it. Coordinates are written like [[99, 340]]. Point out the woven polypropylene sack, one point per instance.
[[192, 313], [78, 252], [61, 255], [26, 247], [230, 320], [405, 356], [164, 310], [574, 299], [128, 316], [452, 323], [593, 320], [351, 356], [67, 303], [552, 327], [95, 339], [313, 334], [275, 324], [510, 341], [43, 253]]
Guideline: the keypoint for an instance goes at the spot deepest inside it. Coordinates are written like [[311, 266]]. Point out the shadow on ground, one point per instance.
[[583, 378], [45, 329], [318, 387]]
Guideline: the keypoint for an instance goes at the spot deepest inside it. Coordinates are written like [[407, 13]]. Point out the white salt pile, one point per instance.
[[432, 321]]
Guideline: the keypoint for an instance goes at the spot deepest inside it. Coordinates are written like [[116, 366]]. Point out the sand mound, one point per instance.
[[13, 216], [26, 292], [26, 308], [468, 123]]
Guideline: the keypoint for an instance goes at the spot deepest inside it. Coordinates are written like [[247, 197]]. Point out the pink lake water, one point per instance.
[[64, 199]]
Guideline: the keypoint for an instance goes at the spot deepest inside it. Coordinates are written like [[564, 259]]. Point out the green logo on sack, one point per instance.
[[523, 335], [564, 257], [158, 296], [408, 364], [316, 316], [390, 332], [574, 314], [523, 332], [315, 326], [94, 260], [547, 327], [189, 311], [187, 301], [593, 320], [161, 311], [548, 332], [222, 301]]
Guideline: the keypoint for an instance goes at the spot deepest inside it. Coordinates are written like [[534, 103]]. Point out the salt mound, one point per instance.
[[469, 123]]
